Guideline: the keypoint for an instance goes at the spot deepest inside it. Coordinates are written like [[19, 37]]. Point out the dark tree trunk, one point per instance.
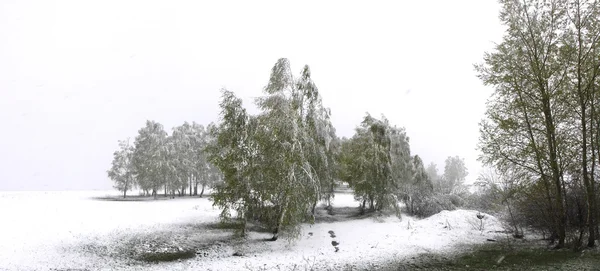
[[196, 190], [125, 193], [554, 166], [512, 218], [279, 221], [202, 191], [584, 94], [244, 223]]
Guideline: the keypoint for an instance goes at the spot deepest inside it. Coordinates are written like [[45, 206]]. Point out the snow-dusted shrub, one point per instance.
[[433, 204], [456, 200]]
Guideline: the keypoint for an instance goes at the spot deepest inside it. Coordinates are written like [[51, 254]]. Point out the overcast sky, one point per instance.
[[77, 76]]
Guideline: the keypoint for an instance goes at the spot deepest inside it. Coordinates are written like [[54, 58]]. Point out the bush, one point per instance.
[[436, 203], [456, 200]]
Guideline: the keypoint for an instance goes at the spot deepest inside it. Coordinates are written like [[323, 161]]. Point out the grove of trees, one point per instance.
[[541, 132], [157, 161], [273, 168]]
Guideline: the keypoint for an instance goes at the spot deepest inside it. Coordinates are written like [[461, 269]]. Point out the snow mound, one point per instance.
[[463, 220]]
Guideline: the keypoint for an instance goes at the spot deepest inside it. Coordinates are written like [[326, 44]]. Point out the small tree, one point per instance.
[[231, 151], [455, 173], [418, 188], [375, 162], [121, 171]]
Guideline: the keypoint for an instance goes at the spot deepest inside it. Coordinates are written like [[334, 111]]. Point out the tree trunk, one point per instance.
[[363, 205], [538, 155], [202, 192], [125, 193], [279, 221], [512, 218], [312, 212], [554, 166], [595, 138], [196, 189], [191, 179], [244, 222]]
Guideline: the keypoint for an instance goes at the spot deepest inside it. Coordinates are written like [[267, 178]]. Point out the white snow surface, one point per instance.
[[70, 230]]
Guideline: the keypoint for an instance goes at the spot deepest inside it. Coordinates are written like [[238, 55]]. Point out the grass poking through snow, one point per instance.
[[501, 256]]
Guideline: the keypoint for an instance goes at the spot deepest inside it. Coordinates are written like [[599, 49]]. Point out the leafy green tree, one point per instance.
[[529, 120], [233, 152], [376, 163], [294, 136], [278, 164], [419, 187], [580, 53], [121, 171]]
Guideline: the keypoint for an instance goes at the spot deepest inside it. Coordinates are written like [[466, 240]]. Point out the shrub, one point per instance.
[[456, 200], [434, 204]]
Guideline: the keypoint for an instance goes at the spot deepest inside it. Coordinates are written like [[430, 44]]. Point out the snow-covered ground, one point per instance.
[[70, 230]]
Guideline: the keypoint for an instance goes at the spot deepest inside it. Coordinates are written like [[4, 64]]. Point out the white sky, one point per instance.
[[76, 76]]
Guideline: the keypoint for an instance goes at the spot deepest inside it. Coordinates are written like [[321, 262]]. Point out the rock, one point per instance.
[[238, 254], [334, 243]]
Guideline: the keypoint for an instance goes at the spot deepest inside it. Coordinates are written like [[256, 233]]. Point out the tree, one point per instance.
[[212, 176], [455, 173], [376, 162], [275, 165], [419, 187], [232, 151], [184, 148], [121, 171], [294, 137], [529, 121], [581, 50], [432, 171], [149, 157], [435, 177], [172, 171]]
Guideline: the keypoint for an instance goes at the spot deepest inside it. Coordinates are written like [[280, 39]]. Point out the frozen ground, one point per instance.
[[69, 230]]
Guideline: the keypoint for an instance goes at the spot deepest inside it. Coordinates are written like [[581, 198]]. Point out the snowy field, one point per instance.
[[71, 230]]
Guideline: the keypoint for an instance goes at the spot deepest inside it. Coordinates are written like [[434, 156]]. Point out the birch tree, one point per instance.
[[148, 157], [121, 171]]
